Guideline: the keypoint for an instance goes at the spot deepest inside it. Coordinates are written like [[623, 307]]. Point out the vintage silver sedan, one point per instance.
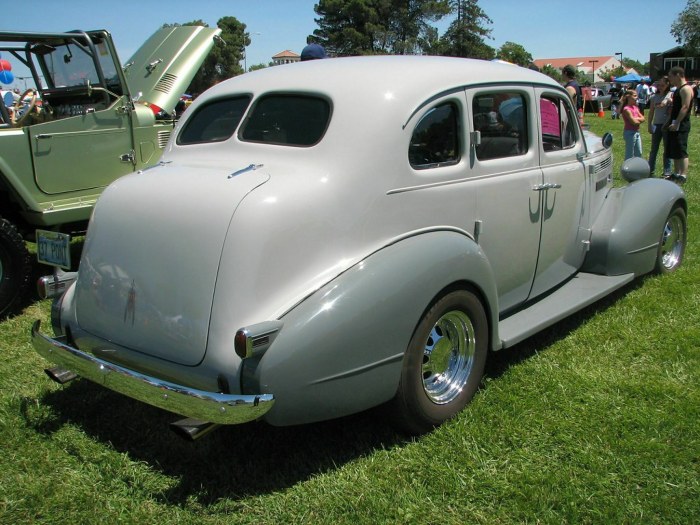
[[340, 234]]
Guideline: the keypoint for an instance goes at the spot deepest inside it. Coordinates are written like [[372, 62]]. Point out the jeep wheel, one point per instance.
[[15, 268], [444, 363]]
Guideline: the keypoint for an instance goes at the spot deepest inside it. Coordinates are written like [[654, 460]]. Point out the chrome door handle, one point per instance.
[[546, 186]]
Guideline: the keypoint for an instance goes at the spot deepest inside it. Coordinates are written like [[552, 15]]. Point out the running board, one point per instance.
[[582, 290]]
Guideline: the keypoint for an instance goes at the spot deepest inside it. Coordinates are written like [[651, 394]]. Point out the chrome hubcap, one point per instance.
[[448, 357], [672, 242]]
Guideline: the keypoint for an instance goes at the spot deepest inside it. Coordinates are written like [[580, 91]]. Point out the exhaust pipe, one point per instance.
[[192, 429], [60, 375]]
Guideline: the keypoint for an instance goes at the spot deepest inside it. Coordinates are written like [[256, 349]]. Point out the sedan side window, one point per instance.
[[435, 141], [558, 124], [501, 120]]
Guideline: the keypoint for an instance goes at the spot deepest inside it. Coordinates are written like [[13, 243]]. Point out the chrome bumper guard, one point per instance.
[[225, 409]]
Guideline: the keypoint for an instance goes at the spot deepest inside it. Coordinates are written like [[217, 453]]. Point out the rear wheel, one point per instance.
[[443, 364], [673, 240], [15, 268]]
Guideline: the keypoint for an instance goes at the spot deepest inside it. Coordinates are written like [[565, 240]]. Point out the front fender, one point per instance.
[[341, 349], [626, 234]]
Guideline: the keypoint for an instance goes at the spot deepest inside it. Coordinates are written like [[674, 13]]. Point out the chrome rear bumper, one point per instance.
[[225, 409]]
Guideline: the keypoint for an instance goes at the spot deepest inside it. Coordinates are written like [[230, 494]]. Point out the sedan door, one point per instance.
[[562, 197], [505, 160]]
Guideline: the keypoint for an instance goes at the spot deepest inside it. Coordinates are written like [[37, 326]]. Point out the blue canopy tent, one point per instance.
[[631, 77]]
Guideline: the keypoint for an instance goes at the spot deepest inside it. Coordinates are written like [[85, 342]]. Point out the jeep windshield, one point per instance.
[[72, 65], [64, 60]]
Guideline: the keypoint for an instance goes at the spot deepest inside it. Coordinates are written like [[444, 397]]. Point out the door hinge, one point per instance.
[[129, 157]]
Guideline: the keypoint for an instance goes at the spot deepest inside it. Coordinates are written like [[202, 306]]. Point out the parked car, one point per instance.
[[89, 121], [325, 237], [595, 99]]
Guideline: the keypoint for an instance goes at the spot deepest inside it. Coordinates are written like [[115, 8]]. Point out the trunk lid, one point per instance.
[[163, 67], [149, 269]]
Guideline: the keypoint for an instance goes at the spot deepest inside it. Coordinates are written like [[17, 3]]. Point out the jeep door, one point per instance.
[[86, 126], [82, 151]]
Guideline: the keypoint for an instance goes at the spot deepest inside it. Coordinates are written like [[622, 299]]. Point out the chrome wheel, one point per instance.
[[443, 364], [448, 357], [673, 241]]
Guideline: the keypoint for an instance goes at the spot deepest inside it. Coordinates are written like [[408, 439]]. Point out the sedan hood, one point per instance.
[[149, 268]]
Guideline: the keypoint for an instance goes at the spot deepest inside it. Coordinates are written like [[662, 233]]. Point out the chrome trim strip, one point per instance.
[[214, 407]]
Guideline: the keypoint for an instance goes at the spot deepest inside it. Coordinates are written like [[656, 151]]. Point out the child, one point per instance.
[[632, 118]]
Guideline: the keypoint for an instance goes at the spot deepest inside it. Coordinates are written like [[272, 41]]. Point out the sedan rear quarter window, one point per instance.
[[435, 141]]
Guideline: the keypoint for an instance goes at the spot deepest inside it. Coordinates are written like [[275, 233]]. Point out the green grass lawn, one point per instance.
[[596, 420]]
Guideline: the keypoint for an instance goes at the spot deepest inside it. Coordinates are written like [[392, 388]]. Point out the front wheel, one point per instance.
[[15, 268], [444, 363], [673, 240]]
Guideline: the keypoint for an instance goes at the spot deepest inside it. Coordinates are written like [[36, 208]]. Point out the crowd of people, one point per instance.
[[670, 102]]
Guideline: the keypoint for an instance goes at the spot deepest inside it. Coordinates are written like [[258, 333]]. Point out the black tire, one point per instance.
[[444, 363], [673, 240], [15, 268]]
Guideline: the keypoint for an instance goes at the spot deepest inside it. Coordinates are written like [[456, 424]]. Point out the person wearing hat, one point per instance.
[[313, 52]]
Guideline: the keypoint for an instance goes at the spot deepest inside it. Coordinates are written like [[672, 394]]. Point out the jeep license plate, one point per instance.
[[53, 248]]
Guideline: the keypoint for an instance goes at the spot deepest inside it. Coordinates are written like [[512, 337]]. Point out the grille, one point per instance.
[[602, 166]]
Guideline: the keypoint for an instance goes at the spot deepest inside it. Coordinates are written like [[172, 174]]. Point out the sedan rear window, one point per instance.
[[292, 120], [214, 122]]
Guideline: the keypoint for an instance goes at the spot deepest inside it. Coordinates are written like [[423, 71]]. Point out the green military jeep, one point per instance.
[[89, 121]]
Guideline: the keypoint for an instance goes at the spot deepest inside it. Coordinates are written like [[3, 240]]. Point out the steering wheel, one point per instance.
[[18, 104]]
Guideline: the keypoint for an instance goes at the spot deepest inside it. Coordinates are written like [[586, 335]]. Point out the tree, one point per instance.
[[348, 28], [410, 24], [223, 61], [514, 53], [686, 28], [609, 73], [466, 34], [255, 67], [552, 72], [370, 27], [642, 69]]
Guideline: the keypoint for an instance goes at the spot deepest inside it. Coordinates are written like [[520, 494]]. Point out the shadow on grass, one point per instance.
[[235, 462], [232, 462]]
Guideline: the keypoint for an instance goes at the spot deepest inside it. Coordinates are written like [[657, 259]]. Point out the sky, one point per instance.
[[545, 28]]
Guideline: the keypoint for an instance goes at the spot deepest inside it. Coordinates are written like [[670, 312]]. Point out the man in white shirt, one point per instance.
[[642, 96]]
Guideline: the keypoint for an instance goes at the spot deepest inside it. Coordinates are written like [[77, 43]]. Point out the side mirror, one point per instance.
[[607, 140], [634, 169]]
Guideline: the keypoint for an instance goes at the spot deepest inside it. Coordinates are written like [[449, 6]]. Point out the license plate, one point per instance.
[[53, 248]]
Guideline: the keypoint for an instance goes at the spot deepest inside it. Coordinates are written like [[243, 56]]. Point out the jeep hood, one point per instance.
[[162, 69], [149, 265]]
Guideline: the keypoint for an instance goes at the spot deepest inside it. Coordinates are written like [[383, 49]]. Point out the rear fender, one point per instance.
[[341, 349], [626, 234]]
